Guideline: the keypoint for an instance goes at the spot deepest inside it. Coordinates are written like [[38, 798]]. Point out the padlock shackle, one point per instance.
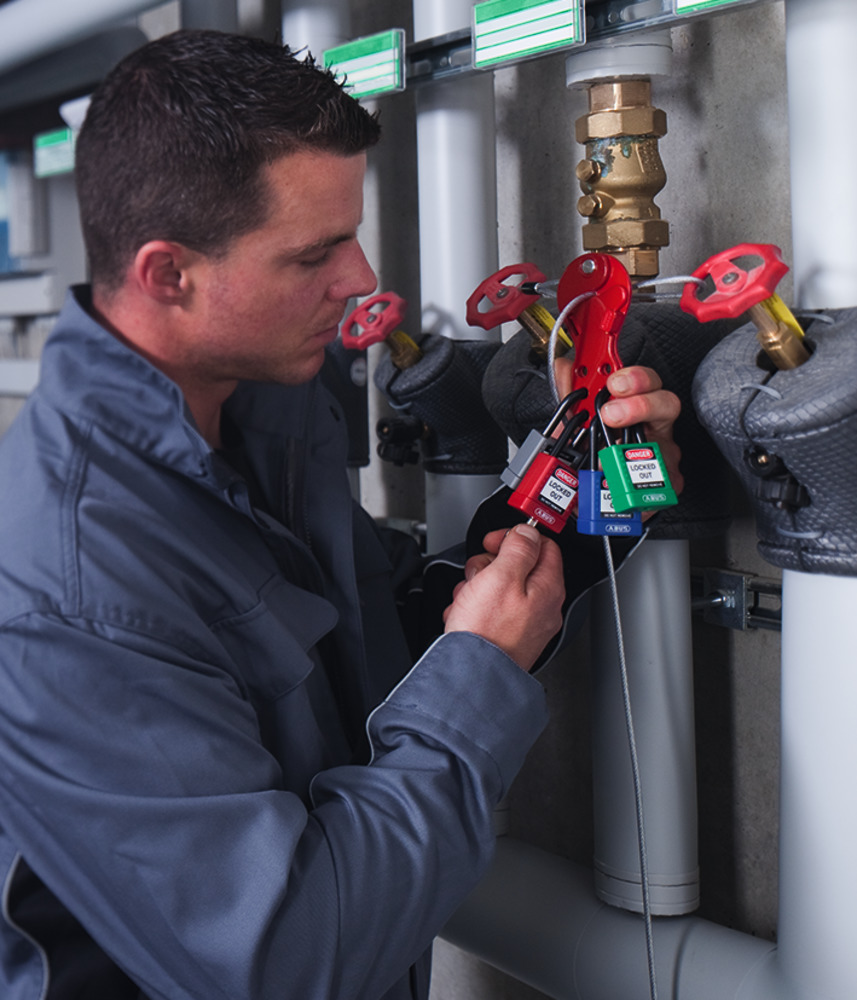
[[567, 403]]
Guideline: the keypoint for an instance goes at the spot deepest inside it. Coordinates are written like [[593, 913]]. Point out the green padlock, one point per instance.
[[637, 476]]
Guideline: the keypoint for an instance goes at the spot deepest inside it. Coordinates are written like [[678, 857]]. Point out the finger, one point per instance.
[[547, 572], [494, 539], [476, 563], [563, 372], [658, 409], [633, 380]]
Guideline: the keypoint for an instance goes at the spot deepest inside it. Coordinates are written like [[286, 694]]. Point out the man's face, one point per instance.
[[272, 304]]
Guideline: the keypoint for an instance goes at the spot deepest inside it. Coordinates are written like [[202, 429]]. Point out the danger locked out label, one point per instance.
[[559, 489], [644, 469]]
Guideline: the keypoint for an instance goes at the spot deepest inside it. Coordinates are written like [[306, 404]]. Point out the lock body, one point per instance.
[[547, 492], [596, 514], [637, 477]]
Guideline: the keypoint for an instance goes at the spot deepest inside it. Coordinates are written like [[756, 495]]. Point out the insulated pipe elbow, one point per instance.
[[786, 434], [536, 917]]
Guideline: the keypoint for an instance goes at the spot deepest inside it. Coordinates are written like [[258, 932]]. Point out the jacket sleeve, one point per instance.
[[134, 779]]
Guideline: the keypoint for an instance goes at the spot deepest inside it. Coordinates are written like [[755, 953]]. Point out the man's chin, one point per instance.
[[296, 374]]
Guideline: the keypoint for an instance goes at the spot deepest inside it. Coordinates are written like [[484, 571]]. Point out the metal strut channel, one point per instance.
[[432, 60], [737, 600]]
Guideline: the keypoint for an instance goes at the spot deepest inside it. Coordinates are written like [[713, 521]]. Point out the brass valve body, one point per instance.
[[621, 175]]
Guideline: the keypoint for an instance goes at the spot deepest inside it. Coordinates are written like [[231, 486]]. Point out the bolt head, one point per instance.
[[589, 205]]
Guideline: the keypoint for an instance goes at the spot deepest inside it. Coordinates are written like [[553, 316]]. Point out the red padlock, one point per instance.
[[737, 288], [498, 299], [373, 320]]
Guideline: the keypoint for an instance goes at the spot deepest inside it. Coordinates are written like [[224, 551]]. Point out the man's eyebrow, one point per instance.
[[293, 253]]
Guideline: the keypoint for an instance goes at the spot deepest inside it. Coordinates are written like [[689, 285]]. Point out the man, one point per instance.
[[195, 620]]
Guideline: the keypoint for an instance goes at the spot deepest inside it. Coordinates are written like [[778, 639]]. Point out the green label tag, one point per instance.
[[372, 65], [692, 6], [53, 153], [507, 30]]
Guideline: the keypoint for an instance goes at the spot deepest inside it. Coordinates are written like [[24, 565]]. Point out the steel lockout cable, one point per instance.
[[635, 771]]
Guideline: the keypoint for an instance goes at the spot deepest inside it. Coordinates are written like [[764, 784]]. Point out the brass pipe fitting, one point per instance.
[[779, 341], [404, 351], [622, 173], [538, 322]]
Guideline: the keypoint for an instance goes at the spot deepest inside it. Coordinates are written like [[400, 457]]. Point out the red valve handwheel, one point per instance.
[[375, 319], [506, 300], [595, 323], [736, 288]]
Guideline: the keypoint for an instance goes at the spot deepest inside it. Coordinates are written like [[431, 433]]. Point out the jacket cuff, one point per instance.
[[466, 690]]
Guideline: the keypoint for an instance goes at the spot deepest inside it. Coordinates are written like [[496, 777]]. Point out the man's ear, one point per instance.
[[162, 271]]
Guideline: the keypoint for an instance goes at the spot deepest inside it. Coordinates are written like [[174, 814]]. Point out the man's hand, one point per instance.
[[512, 593], [638, 397]]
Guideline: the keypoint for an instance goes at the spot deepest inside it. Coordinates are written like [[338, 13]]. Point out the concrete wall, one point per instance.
[[726, 158]]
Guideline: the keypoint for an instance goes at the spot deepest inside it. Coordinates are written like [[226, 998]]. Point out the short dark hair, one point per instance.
[[176, 136]]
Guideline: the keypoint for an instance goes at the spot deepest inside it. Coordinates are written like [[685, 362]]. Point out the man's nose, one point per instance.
[[358, 279]]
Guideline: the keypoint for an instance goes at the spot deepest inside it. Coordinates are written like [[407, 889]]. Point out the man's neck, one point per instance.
[[150, 338]]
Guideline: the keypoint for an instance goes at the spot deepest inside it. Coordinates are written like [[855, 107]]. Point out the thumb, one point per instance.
[[521, 548]]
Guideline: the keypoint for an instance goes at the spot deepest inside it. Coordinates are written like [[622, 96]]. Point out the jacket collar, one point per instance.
[[92, 376], [89, 374]]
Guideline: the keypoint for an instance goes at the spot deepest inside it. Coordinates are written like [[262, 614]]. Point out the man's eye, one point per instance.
[[315, 261]]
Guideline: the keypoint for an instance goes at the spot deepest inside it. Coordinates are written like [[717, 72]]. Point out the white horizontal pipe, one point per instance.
[[536, 917], [32, 28]]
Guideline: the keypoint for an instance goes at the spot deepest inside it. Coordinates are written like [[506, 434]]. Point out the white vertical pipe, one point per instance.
[[31, 28], [457, 179], [316, 25], [818, 807], [654, 599], [821, 39], [818, 801], [458, 230]]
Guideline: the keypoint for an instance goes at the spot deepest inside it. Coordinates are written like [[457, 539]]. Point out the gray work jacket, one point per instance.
[[189, 803]]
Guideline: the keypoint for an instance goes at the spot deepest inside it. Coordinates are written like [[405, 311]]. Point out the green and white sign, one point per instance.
[[53, 153], [372, 65], [694, 6], [508, 30]]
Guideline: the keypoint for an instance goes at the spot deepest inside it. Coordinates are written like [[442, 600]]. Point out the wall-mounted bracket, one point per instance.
[[737, 600], [436, 59]]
